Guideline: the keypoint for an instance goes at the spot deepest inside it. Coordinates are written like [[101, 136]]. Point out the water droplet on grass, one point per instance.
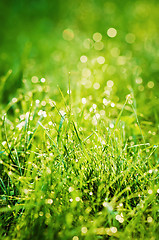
[[112, 32], [68, 34], [97, 37]]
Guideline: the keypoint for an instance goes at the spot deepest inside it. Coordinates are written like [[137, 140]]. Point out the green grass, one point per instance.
[[59, 181], [79, 120]]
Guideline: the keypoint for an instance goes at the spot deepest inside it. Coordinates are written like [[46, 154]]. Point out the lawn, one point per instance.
[[79, 120]]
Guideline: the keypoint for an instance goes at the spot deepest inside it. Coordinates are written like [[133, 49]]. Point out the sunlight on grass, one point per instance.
[[79, 120]]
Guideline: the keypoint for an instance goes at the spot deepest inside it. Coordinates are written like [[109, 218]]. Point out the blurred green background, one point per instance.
[[47, 38]]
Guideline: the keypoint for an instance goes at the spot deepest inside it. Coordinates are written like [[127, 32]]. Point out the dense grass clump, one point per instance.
[[59, 182]]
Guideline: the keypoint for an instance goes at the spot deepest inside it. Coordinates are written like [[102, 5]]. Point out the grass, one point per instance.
[[60, 182], [79, 120]]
